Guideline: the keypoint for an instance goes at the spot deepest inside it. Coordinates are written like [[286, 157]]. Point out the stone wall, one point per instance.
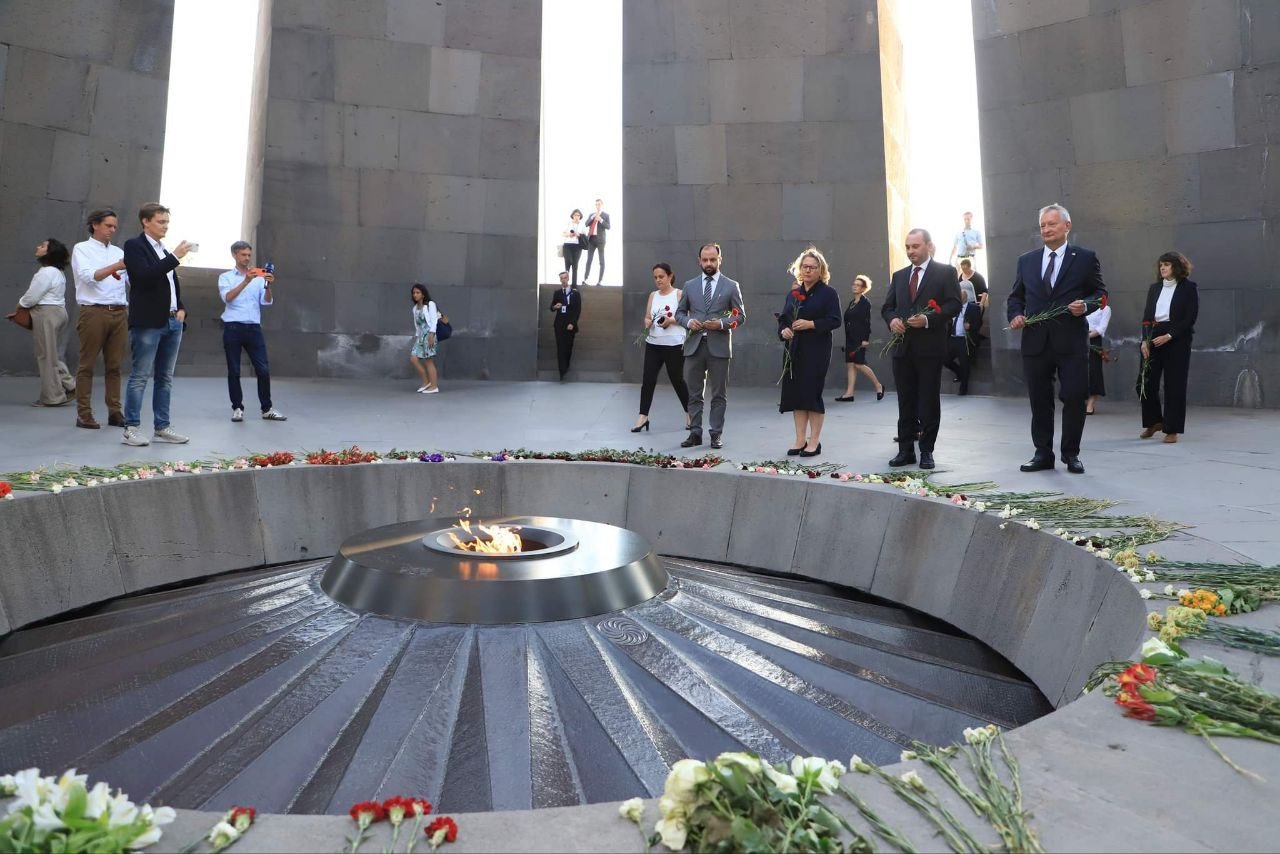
[[757, 125], [1155, 123], [82, 121], [402, 145]]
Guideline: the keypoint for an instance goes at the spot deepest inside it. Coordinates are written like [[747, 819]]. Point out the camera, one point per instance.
[[269, 268]]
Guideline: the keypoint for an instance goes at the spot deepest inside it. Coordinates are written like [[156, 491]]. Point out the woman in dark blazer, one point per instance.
[[809, 316], [1167, 326], [857, 334]]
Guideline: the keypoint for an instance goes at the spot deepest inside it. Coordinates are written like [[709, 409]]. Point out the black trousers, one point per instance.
[[1170, 363], [1072, 375], [564, 348], [246, 336], [572, 254], [958, 359], [1097, 382], [592, 248], [918, 382], [655, 357]]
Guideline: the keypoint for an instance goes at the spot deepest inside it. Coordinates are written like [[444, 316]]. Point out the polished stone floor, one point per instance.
[[1222, 477]]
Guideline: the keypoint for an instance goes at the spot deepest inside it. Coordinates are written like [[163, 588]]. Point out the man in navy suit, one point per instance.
[[923, 300], [1058, 275], [156, 320], [962, 341], [566, 303]]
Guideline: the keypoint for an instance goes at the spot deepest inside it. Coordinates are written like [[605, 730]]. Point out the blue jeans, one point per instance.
[[248, 336], [155, 354]]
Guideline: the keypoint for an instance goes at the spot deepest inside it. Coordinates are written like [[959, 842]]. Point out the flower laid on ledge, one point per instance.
[[441, 830], [345, 457], [6, 491], [786, 467], [1182, 621], [227, 831], [639, 457], [394, 810], [61, 814], [266, 461]]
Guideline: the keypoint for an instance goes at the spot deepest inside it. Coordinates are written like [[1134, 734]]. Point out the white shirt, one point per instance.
[[247, 306], [959, 326], [48, 287], [922, 266], [89, 256], [430, 313], [1098, 320], [577, 228], [1057, 262], [672, 334], [161, 252], [1165, 300]]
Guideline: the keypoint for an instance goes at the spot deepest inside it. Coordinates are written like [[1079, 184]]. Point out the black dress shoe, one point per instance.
[[715, 441], [926, 459], [694, 439], [904, 458], [115, 419], [1074, 465], [89, 424], [844, 398], [791, 452], [1037, 464], [812, 453]]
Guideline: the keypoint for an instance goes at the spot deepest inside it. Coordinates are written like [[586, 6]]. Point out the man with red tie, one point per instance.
[[597, 226], [923, 298]]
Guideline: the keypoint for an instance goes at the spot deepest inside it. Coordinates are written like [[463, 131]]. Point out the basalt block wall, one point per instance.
[[82, 121], [1156, 123], [402, 146], [757, 125]]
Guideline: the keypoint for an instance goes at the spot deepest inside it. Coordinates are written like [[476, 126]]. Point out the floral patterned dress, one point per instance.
[[424, 325]]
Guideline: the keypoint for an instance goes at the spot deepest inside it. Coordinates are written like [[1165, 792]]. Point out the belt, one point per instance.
[[103, 305]]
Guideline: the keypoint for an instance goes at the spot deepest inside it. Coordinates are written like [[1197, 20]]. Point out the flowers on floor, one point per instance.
[[61, 814], [789, 468], [233, 825], [1182, 621], [266, 461], [6, 491], [639, 457], [344, 457]]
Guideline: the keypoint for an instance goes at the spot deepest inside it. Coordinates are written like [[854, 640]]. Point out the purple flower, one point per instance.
[[499, 458], [431, 458]]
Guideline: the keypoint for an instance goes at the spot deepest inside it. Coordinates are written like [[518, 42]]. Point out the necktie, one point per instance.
[[592, 233], [1047, 279], [706, 295], [915, 283]]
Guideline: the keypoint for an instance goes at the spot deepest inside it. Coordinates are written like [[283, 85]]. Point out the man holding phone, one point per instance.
[[244, 291]]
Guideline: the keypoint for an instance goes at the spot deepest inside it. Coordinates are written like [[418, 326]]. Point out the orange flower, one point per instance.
[[1135, 707], [1135, 675]]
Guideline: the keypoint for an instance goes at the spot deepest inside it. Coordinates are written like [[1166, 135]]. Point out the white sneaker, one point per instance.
[[273, 414], [167, 435], [422, 389], [133, 437], [435, 390], [237, 414]]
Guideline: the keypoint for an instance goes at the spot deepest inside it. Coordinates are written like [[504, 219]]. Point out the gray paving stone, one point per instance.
[[456, 204], [999, 79], [510, 207], [738, 211], [1232, 185], [339, 503], [921, 561], [439, 144], [701, 154], [393, 199], [660, 212], [842, 87], [763, 534], [1010, 16], [762, 28], [1024, 137], [70, 167], [806, 212], [509, 149], [1083, 55], [128, 106], [702, 29], [311, 194], [667, 93]]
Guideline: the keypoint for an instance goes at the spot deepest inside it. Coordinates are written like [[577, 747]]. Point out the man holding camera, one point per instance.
[[244, 291]]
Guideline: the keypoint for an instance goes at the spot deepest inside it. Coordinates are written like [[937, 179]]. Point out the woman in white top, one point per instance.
[[572, 236], [422, 355], [1098, 322], [664, 345], [46, 298]]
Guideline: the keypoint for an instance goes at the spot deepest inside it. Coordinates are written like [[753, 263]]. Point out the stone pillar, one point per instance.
[[757, 125], [402, 146], [1155, 124], [82, 120]]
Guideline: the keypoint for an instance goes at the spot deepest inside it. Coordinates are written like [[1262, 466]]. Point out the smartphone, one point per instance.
[[193, 247]]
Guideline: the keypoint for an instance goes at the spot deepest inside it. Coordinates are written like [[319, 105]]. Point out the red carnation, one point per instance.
[[396, 808], [1148, 323], [734, 312], [1137, 674], [446, 827], [241, 817], [366, 813], [933, 304], [5, 489], [1103, 302]]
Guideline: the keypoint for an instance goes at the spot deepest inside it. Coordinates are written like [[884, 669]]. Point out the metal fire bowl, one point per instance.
[[411, 570]]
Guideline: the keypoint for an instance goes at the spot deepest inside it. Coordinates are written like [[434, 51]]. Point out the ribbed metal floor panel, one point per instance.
[[257, 688]]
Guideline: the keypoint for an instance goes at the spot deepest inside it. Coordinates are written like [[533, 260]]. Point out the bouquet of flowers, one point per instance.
[[1056, 311], [62, 814]]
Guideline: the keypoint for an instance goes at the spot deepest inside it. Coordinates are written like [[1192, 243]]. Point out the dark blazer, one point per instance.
[[1183, 308], [857, 324], [1079, 277], [601, 230], [149, 284], [972, 316], [940, 283], [574, 307]]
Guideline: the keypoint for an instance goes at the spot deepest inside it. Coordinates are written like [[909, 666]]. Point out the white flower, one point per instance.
[[1155, 647], [55, 488], [912, 779], [1104, 553], [1032, 524], [980, 506], [1168, 590], [673, 831], [1004, 525], [45, 817], [1183, 592], [9, 497], [71, 481], [8, 786], [1148, 575], [222, 835], [981, 734], [1090, 548], [632, 810], [29, 788], [1145, 593], [92, 482], [856, 763], [785, 782], [745, 761], [908, 755], [806, 766], [166, 471], [99, 800], [669, 806], [685, 776]]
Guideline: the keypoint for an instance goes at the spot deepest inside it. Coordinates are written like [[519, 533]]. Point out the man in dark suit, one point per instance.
[[156, 320], [597, 226], [567, 305], [923, 298], [1055, 277], [962, 340], [710, 308]]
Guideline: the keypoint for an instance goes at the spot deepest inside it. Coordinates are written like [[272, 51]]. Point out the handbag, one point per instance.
[[582, 241], [22, 316], [559, 250], [444, 331]]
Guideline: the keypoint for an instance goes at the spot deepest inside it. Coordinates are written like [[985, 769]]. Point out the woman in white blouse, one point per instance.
[[1168, 323], [1098, 322], [423, 352], [573, 235], [663, 345], [46, 298]]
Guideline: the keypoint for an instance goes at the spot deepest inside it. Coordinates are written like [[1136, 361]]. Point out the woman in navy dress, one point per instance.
[[811, 313]]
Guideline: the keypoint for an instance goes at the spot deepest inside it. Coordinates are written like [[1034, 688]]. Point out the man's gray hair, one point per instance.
[[923, 232], [1062, 212], [238, 245]]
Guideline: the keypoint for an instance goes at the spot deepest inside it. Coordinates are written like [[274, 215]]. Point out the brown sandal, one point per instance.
[[1151, 431]]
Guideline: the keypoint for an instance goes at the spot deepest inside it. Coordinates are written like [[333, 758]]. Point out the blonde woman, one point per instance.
[[857, 334], [809, 316]]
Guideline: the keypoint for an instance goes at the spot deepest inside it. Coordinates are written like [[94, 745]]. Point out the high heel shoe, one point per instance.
[[880, 393], [812, 453], [644, 426]]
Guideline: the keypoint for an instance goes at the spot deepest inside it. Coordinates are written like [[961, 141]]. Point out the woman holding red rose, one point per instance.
[[664, 345], [809, 316]]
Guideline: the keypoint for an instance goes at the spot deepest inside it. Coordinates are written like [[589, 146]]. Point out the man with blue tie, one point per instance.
[[710, 308], [1057, 276]]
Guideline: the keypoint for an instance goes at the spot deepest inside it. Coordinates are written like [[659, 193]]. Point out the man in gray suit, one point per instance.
[[710, 308]]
